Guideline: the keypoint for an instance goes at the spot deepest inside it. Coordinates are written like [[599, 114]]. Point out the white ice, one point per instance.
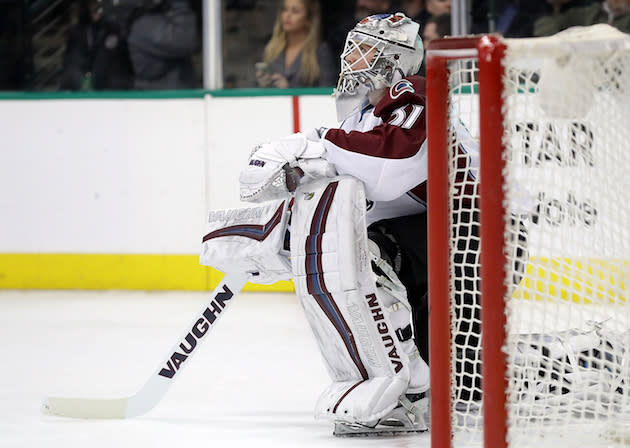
[[252, 383]]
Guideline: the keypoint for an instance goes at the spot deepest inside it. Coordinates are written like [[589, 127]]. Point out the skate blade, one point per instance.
[[342, 430]]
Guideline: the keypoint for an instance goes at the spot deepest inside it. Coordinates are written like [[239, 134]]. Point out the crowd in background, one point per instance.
[[85, 45]]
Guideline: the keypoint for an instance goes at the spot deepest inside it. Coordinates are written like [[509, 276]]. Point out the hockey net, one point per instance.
[[530, 255]]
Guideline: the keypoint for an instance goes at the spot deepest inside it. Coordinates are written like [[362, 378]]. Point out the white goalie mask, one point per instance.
[[379, 51]]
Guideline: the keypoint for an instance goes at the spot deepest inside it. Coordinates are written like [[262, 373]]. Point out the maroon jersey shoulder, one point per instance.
[[409, 90]]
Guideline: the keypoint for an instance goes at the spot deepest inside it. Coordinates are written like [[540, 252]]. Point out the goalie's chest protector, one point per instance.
[[334, 281]]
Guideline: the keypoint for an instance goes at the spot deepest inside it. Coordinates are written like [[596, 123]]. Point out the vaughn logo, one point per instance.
[[383, 330], [198, 330]]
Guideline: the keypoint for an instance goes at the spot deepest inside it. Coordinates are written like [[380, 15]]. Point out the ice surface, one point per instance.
[[252, 383]]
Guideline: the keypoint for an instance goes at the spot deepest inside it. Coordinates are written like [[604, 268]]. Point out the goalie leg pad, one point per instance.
[[334, 281]]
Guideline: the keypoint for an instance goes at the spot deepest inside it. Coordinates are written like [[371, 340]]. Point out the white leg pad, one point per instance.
[[352, 401], [336, 286]]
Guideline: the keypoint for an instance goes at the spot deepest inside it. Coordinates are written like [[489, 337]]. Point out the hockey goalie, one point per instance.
[[343, 214]]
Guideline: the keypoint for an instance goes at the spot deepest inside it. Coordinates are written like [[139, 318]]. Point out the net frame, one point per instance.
[[440, 52], [489, 51]]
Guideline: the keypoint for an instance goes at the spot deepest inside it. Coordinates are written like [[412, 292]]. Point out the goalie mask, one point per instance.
[[379, 51]]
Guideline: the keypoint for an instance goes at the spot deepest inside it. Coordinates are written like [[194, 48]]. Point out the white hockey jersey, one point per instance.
[[386, 147]]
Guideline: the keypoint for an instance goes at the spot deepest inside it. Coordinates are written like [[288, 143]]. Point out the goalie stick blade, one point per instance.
[[110, 408], [85, 407], [346, 430], [167, 371]]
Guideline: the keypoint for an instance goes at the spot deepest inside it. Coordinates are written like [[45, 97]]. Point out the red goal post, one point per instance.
[[541, 241], [440, 53]]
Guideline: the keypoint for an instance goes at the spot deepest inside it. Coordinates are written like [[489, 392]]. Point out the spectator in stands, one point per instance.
[[337, 37], [614, 12], [413, 8], [365, 8], [13, 42], [558, 6], [162, 41], [96, 55], [435, 28], [516, 18], [421, 11], [513, 18], [417, 11], [295, 56], [438, 7]]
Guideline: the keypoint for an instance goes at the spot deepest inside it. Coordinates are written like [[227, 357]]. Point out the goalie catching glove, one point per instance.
[[275, 169]]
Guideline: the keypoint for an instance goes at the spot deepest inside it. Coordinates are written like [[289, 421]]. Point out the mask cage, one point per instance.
[[364, 45]]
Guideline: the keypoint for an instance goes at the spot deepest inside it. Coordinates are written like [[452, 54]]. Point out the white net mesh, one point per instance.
[[567, 138], [566, 122], [464, 266]]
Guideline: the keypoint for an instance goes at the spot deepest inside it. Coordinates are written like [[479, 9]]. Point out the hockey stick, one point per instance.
[[156, 387]]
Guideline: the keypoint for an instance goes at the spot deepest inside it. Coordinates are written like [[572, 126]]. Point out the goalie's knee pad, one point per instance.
[[333, 278]]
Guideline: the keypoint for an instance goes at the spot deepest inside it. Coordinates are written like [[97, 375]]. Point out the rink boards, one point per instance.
[[112, 192]]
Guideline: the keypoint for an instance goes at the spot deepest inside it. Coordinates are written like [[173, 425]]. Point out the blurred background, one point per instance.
[[79, 45]]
